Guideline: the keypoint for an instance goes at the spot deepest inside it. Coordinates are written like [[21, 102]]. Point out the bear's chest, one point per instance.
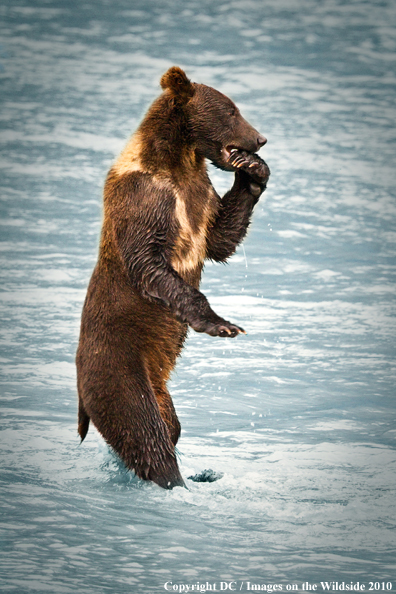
[[194, 212]]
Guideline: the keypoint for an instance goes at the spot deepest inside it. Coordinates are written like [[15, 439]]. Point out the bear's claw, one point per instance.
[[251, 163], [220, 328]]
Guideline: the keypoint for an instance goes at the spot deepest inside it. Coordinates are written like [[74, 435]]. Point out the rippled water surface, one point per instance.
[[299, 414]]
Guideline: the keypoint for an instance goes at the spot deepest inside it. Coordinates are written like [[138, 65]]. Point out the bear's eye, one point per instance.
[[232, 111]]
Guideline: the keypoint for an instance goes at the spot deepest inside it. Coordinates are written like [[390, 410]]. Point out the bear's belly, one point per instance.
[[117, 319]]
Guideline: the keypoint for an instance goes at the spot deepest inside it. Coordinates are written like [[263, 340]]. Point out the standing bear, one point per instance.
[[162, 219]]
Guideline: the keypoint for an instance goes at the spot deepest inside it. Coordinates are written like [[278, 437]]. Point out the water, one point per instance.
[[299, 414]]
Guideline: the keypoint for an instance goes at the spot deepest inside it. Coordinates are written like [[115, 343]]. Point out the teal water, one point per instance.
[[299, 414]]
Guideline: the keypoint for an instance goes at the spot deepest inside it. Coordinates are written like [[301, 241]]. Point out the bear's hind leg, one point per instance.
[[83, 420], [129, 418], [168, 413]]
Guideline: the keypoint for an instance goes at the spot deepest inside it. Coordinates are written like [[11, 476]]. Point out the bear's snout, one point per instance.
[[246, 137], [261, 141]]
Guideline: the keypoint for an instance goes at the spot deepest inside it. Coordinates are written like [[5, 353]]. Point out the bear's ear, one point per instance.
[[176, 81]]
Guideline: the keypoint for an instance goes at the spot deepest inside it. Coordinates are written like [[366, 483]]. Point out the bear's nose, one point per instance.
[[261, 141]]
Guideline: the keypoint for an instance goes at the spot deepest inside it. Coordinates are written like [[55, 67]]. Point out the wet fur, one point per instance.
[[162, 219]]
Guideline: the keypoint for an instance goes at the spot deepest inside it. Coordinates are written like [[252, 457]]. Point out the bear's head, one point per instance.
[[215, 124]]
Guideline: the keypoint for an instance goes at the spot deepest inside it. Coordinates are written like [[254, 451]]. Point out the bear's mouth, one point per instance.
[[228, 150]]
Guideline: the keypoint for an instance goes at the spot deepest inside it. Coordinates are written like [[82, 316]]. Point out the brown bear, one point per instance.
[[162, 219]]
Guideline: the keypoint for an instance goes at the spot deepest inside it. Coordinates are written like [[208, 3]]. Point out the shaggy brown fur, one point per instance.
[[162, 219]]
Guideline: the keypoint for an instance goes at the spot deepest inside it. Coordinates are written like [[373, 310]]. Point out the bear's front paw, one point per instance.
[[220, 328], [226, 330], [251, 164]]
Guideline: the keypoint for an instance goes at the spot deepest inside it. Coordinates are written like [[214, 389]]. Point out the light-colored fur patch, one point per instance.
[[197, 240], [129, 159]]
